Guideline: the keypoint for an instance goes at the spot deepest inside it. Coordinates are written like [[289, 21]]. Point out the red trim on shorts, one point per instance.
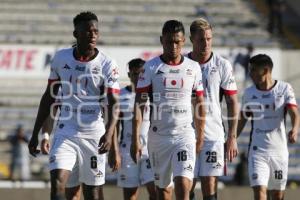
[[230, 92], [50, 81], [143, 89], [113, 91], [290, 105]]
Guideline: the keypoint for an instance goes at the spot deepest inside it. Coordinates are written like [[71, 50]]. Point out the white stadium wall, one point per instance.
[[33, 61]]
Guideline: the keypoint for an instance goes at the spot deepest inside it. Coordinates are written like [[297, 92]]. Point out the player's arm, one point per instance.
[[199, 119], [242, 122], [232, 114], [43, 112], [46, 131], [106, 140], [140, 101], [294, 114]]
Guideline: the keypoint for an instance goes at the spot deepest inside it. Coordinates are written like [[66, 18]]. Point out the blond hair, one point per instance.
[[199, 24]]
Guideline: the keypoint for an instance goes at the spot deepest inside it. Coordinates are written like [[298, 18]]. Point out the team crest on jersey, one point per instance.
[[95, 70], [115, 72], [213, 70]]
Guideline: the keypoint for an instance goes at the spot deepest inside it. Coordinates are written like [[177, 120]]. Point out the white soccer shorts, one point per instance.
[[269, 171], [131, 174], [172, 156], [81, 154], [210, 161]]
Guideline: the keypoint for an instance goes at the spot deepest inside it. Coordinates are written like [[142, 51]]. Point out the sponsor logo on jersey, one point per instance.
[[174, 71], [254, 97], [66, 67], [217, 166], [174, 95], [80, 68]]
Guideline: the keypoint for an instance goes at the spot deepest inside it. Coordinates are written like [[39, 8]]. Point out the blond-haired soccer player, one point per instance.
[[265, 103], [218, 81]]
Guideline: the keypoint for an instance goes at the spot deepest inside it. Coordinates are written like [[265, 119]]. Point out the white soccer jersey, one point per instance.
[[268, 109], [127, 98], [170, 88], [218, 79], [83, 85]]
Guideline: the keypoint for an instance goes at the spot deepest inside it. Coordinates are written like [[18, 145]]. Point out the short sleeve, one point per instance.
[[289, 97], [228, 83], [198, 84], [144, 82], [111, 78], [54, 75]]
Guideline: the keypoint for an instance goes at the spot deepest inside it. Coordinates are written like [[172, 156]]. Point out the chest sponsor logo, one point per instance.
[[159, 72], [266, 96], [80, 68], [174, 71], [66, 66]]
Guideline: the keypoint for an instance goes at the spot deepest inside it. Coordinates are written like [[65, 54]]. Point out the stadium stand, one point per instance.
[[129, 22]]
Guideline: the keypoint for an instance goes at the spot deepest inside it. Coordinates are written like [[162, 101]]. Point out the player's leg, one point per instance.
[[73, 193], [160, 153], [91, 168], [260, 192], [62, 160], [130, 193], [151, 190], [183, 164], [192, 192], [182, 187], [196, 177], [277, 194], [58, 179], [211, 164], [164, 193], [209, 187]]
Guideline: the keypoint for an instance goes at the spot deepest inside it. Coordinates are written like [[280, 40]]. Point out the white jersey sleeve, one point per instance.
[[198, 84], [144, 82], [228, 83], [53, 69], [111, 76], [289, 96]]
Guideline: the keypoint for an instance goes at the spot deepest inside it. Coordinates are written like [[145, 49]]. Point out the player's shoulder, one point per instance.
[[283, 86], [63, 53], [250, 92], [104, 59], [221, 61], [191, 62]]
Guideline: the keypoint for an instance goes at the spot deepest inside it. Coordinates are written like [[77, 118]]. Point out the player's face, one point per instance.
[[258, 74], [87, 34], [202, 41], [172, 44], [134, 75]]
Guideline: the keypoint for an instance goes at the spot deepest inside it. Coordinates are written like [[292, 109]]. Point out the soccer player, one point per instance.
[[169, 81], [81, 138], [218, 81], [132, 175], [266, 103]]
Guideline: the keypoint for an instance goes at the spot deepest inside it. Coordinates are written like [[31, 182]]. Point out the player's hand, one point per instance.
[[135, 151], [199, 145], [292, 136], [105, 143], [45, 146], [32, 146], [231, 148], [114, 160]]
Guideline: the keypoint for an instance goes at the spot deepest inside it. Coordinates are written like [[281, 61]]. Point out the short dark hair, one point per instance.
[[83, 17], [173, 26], [136, 63], [261, 60]]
